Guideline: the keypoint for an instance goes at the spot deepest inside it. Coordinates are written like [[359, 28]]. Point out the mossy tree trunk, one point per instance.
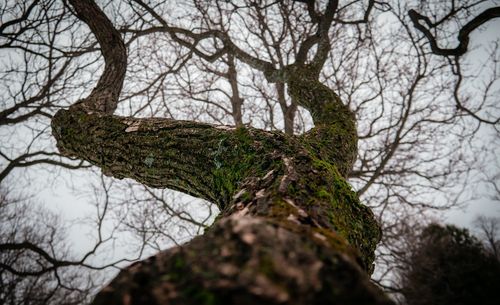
[[291, 230]]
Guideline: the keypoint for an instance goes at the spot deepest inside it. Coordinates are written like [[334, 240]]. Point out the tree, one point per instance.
[[489, 228], [446, 265], [34, 258], [291, 229], [405, 98]]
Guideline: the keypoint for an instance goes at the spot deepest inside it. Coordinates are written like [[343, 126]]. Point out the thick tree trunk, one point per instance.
[[291, 230]]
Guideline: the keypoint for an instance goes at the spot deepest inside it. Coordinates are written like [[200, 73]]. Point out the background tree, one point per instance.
[[447, 265], [489, 233], [34, 258]]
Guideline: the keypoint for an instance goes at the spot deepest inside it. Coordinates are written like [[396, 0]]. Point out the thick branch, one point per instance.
[[334, 136], [104, 97], [195, 158]]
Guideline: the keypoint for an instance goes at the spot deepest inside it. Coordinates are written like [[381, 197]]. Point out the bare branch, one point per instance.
[[104, 97], [463, 34]]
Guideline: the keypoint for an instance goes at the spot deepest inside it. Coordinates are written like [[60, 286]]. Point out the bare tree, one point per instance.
[[34, 258], [489, 230]]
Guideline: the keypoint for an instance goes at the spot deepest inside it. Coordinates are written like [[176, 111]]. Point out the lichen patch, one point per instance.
[[133, 125]]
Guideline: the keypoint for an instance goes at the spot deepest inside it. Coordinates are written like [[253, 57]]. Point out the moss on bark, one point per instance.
[[245, 260]]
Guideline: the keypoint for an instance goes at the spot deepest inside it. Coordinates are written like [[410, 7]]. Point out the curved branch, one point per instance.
[[463, 34], [104, 97], [320, 37], [24, 161]]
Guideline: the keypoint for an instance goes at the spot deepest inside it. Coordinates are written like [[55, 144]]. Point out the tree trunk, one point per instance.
[[291, 230]]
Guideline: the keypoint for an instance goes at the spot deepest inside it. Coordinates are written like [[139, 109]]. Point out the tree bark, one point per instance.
[[291, 230]]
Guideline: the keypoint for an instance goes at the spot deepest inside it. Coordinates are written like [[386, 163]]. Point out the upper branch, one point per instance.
[[463, 34], [366, 15], [320, 37], [16, 21], [104, 97], [324, 42], [229, 46]]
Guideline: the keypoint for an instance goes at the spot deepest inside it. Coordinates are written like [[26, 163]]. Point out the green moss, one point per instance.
[[335, 240], [237, 157], [245, 197], [199, 295], [243, 137], [281, 209], [179, 262], [323, 193]]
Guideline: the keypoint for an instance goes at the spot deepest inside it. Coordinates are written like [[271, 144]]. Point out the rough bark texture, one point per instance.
[[291, 230], [104, 97]]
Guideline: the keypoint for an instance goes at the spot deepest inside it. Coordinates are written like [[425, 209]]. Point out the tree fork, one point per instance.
[[291, 230]]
